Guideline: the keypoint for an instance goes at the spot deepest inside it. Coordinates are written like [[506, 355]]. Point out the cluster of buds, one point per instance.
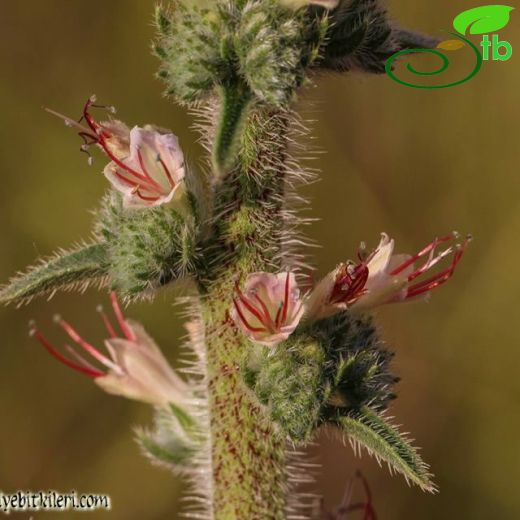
[[271, 305], [146, 164], [133, 367]]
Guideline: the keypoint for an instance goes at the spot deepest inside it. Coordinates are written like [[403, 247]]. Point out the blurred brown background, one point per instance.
[[414, 163]]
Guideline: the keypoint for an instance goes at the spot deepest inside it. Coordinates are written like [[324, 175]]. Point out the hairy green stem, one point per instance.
[[248, 455]]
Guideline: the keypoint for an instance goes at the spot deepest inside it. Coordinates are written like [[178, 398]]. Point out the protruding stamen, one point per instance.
[[91, 372], [431, 246], [93, 351], [108, 324], [125, 328], [80, 358], [68, 121], [431, 262], [439, 278]]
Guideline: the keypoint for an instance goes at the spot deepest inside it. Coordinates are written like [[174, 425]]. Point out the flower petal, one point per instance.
[[147, 375], [379, 261]]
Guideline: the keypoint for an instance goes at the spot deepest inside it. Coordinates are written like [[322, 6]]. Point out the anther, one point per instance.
[[32, 328]]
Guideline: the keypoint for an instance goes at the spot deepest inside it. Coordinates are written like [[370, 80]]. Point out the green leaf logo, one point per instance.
[[482, 20]]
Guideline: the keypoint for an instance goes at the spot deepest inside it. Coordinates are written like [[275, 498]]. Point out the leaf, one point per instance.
[[451, 45], [482, 20], [173, 441], [167, 450], [186, 422], [384, 441], [65, 271]]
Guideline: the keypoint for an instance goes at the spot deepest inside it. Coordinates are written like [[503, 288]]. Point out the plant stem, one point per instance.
[[248, 455]]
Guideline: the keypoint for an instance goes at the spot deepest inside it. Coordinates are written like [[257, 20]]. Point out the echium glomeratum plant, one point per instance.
[[275, 359]]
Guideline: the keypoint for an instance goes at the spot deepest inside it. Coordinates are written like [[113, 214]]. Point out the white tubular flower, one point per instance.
[[146, 164], [269, 308], [383, 277], [134, 367]]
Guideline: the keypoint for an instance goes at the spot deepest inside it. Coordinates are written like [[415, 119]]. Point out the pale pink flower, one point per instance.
[[384, 277], [134, 367], [269, 308], [146, 164]]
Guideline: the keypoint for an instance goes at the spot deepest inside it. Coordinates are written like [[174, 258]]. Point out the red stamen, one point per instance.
[[120, 176], [125, 328], [142, 178], [360, 277], [348, 286], [250, 307], [108, 324], [146, 199], [265, 310], [88, 138], [147, 175], [244, 320], [431, 262], [60, 357], [100, 136], [369, 511], [437, 279], [94, 126], [431, 246], [80, 358], [93, 351], [285, 307], [278, 316], [167, 171], [430, 284]]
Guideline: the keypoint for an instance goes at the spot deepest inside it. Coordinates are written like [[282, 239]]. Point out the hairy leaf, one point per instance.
[[65, 271], [385, 442], [173, 441], [166, 450]]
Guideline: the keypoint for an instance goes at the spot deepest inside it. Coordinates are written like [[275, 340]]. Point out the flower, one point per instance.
[[383, 277], [134, 368], [269, 309], [146, 164]]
